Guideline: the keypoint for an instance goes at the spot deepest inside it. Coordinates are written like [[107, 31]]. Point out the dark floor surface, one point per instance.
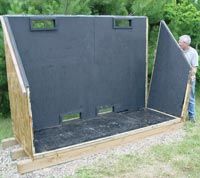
[[79, 130]]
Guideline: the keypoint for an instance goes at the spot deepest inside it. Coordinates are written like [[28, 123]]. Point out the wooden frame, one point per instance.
[[147, 52], [19, 97], [186, 98], [8, 142], [22, 123], [17, 153], [50, 158]]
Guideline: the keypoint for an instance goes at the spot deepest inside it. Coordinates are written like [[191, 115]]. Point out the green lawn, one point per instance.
[[5, 127], [180, 159]]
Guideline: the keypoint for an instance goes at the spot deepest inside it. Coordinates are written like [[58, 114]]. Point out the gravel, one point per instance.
[[8, 168]]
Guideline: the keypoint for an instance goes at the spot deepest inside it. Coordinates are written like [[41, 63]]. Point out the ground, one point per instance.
[[175, 159], [175, 154]]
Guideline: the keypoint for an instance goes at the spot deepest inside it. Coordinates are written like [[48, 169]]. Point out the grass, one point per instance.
[[5, 127], [68, 117], [181, 159]]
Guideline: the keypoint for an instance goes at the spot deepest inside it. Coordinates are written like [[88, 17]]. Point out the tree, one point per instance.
[[75, 7], [196, 3], [34, 7], [108, 7], [153, 9], [49, 7], [184, 18], [4, 102]]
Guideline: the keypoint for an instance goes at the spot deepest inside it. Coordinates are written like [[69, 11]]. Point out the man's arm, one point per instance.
[[193, 73], [194, 70], [195, 63]]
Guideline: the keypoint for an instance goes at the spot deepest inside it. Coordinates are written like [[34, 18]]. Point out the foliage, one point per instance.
[[4, 101], [5, 127], [153, 34], [4, 6], [49, 7], [153, 9], [184, 18], [33, 7], [108, 7], [196, 3]]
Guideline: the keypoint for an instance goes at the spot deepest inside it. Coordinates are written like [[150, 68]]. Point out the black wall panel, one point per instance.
[[170, 75], [81, 64]]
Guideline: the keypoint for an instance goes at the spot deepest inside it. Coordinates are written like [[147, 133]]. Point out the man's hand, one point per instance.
[[193, 73], [193, 77], [194, 70]]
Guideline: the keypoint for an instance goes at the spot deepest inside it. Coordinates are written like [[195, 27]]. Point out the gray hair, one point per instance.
[[185, 39]]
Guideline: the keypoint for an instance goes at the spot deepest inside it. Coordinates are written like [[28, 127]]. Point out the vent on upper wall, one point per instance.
[[120, 23], [42, 24]]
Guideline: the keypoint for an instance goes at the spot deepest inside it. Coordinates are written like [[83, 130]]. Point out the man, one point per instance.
[[192, 58]]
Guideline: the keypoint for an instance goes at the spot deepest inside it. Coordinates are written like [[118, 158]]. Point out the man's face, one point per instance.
[[183, 45]]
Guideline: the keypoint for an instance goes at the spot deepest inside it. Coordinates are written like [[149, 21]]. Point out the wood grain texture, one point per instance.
[[19, 99], [70, 153]]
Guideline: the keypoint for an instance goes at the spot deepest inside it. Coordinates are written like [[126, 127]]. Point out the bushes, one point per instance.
[[4, 102], [49, 7], [184, 18], [108, 7]]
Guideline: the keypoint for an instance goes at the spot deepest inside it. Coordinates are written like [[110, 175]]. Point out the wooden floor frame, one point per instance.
[[66, 154]]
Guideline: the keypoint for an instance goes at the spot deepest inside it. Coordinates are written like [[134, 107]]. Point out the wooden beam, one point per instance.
[[186, 98], [146, 62], [175, 117], [18, 153], [154, 62], [8, 142], [14, 60], [19, 96], [66, 154]]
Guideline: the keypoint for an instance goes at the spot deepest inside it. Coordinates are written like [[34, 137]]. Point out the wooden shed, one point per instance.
[[78, 85]]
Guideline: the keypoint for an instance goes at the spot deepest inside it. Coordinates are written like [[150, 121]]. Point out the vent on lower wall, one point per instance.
[[68, 117], [104, 110]]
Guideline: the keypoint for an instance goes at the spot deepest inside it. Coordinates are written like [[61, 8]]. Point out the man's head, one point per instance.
[[184, 42]]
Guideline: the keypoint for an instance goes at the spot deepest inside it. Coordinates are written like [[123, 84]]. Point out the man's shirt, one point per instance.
[[192, 57]]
